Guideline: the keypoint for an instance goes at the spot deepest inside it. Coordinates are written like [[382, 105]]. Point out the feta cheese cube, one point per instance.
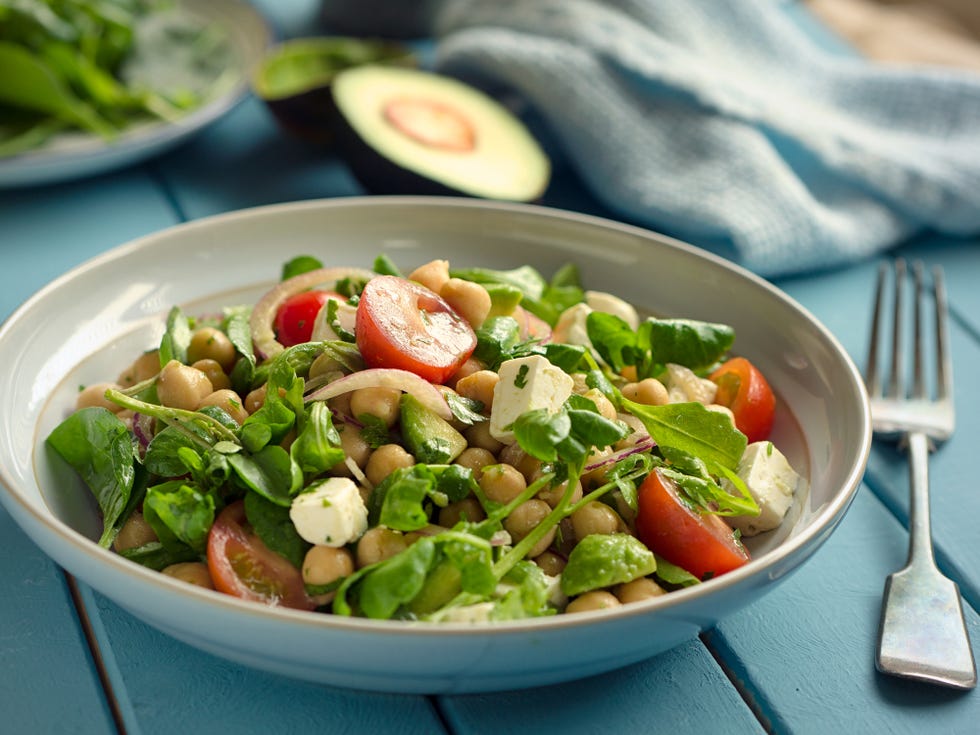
[[346, 317], [526, 384], [772, 482], [331, 514]]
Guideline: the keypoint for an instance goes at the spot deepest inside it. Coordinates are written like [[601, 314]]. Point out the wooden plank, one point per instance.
[[164, 686], [805, 653], [680, 691]]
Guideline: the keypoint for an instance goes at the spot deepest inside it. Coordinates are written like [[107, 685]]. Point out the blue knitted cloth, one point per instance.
[[726, 124]]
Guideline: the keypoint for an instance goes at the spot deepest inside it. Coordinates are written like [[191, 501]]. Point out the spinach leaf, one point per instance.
[[317, 447], [99, 447], [270, 472], [162, 457], [272, 524], [602, 560], [157, 556]]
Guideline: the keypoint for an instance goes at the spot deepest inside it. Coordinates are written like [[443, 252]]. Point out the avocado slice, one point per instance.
[[427, 436], [409, 131], [294, 77]]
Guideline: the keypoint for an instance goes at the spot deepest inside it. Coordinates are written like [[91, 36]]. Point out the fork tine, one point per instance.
[[896, 381], [918, 377], [944, 365], [871, 377]]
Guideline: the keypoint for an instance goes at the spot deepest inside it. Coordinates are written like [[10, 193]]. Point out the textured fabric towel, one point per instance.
[[728, 125]]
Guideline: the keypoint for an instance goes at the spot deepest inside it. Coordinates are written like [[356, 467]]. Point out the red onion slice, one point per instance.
[[265, 309], [407, 382], [643, 444]]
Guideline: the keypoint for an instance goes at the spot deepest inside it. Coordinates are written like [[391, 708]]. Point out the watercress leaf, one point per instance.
[[473, 557], [539, 433], [694, 344], [694, 429], [317, 447], [299, 265], [604, 559], [99, 447], [236, 326], [186, 512], [272, 524], [496, 339], [565, 356], [176, 338], [269, 472], [592, 428], [162, 458], [527, 594], [269, 424], [396, 581], [454, 481], [673, 575]]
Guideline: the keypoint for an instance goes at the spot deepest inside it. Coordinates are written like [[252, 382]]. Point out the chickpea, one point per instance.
[[605, 406], [467, 368], [326, 564], [379, 402], [643, 588], [479, 387], [527, 465], [470, 300], [213, 344], [384, 460], [256, 399], [192, 572], [355, 448], [638, 430], [551, 563], [594, 517], [216, 374], [377, 544], [340, 404], [134, 533], [524, 519], [649, 392], [227, 400], [478, 436], [553, 494], [93, 396], [467, 509], [594, 600], [433, 275], [502, 482], [143, 368], [181, 386], [475, 459]]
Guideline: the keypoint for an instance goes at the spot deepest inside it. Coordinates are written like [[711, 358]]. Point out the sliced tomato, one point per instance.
[[701, 543], [402, 324], [295, 318], [243, 566], [745, 391]]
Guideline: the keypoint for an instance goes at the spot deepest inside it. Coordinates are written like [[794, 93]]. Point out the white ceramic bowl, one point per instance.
[[88, 324]]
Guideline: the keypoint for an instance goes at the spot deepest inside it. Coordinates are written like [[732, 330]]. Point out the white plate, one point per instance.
[[72, 155], [88, 325]]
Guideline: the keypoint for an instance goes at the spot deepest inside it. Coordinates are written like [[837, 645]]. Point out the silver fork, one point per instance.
[[922, 632]]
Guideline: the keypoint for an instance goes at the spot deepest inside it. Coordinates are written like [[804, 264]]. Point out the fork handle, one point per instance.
[[920, 548]]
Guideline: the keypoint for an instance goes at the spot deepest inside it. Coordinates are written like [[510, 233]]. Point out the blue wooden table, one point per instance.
[[799, 660]]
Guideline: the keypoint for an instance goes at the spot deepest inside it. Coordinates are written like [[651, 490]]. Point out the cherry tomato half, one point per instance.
[[243, 566], [402, 324], [295, 318], [701, 543], [745, 391]]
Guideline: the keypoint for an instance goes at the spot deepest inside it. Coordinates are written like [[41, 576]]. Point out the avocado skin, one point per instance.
[[430, 439], [311, 115], [377, 173]]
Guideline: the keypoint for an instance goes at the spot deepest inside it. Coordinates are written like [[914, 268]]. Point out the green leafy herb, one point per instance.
[[385, 266], [181, 510], [299, 265], [272, 524], [176, 338], [100, 449]]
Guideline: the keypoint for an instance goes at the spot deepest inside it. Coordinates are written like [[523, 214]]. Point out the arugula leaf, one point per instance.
[[317, 447], [100, 449], [694, 429]]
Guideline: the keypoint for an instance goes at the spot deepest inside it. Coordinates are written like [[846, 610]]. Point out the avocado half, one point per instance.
[[408, 131]]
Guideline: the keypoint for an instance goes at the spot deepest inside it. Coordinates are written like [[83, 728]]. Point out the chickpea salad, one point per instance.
[[450, 444]]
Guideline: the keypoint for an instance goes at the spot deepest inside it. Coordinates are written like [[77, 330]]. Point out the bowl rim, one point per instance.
[[821, 523]]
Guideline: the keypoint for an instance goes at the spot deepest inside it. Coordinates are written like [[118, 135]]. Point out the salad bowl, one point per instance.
[[90, 322]]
